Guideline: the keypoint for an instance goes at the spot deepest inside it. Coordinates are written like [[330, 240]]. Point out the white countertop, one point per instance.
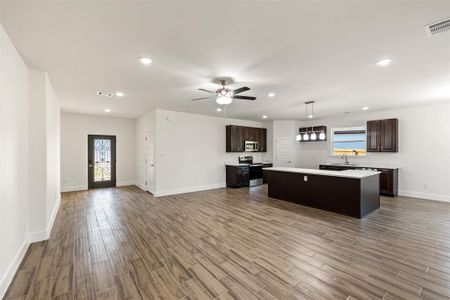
[[346, 173], [238, 164], [374, 165]]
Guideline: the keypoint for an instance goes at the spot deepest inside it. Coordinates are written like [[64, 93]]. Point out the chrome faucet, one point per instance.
[[345, 156]]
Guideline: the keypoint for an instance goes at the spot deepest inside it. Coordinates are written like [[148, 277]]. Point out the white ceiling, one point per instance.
[[322, 51]]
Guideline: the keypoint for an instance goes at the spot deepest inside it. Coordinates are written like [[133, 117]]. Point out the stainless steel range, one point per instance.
[[255, 170]]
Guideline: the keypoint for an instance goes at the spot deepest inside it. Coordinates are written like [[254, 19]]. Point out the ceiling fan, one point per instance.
[[224, 95]]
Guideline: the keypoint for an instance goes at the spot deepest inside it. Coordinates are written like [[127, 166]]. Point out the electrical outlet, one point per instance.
[[305, 178]]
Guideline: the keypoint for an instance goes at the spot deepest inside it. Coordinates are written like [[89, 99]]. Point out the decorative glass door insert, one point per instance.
[[101, 161]]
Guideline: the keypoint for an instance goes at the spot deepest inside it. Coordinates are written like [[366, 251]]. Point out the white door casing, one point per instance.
[[283, 152], [150, 161]]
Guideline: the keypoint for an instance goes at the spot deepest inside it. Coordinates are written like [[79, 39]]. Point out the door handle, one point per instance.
[[90, 165]]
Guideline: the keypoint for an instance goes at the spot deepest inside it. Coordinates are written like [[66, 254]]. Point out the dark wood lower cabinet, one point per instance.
[[265, 172], [355, 197], [237, 176], [388, 177]]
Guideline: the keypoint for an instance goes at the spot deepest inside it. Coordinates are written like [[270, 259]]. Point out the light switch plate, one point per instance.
[[305, 178]]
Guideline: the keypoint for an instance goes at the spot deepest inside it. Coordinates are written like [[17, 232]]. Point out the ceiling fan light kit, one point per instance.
[[224, 100], [225, 96]]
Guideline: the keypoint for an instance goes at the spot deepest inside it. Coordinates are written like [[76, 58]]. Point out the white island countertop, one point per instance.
[[346, 173], [374, 165]]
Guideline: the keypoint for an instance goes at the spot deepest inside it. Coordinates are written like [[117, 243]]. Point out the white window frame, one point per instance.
[[345, 129]]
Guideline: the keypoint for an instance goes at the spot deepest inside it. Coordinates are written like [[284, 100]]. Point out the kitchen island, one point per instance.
[[354, 193]]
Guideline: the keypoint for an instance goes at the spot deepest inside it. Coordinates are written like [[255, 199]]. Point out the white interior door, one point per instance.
[[150, 161], [284, 152]]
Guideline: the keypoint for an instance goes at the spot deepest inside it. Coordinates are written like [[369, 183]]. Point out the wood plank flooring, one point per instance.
[[122, 243]]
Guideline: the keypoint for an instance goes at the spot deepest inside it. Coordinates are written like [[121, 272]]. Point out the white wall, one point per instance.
[[190, 151], [424, 149], [38, 156], [53, 157], [13, 159], [44, 159], [144, 124], [75, 129]]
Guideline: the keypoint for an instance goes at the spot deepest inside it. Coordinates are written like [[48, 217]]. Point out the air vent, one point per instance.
[[438, 27], [105, 94]]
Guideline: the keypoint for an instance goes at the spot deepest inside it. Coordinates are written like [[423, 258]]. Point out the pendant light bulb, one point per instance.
[[322, 136], [305, 137], [313, 136], [298, 137]]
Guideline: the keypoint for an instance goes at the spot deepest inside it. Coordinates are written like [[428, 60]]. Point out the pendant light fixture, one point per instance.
[[312, 133]]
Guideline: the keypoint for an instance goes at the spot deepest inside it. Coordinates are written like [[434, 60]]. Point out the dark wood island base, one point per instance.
[[352, 194]]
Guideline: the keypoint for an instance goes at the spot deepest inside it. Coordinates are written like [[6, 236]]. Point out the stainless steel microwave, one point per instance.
[[251, 146]]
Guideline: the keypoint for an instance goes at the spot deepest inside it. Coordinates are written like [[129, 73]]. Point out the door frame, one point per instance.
[[102, 184], [154, 162], [291, 160]]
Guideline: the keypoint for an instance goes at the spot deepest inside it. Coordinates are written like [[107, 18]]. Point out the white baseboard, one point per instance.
[[42, 235], [32, 237], [189, 189], [84, 187], [426, 196], [141, 186], [73, 188], [38, 236], [125, 183], [12, 268]]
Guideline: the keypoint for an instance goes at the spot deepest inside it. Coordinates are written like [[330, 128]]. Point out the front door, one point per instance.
[[101, 161]]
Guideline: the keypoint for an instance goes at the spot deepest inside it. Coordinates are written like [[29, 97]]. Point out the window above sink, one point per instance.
[[348, 140]]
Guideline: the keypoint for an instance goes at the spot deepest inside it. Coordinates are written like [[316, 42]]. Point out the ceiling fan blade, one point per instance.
[[241, 90], [202, 98], [208, 91], [244, 98]]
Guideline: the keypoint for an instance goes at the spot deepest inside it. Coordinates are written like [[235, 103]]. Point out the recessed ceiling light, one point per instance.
[[271, 94], [219, 109], [310, 116], [107, 110], [145, 60], [384, 62], [365, 108], [264, 116], [120, 94]]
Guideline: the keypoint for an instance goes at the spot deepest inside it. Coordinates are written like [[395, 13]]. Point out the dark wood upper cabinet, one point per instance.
[[382, 135], [237, 135], [373, 136], [262, 139], [389, 135]]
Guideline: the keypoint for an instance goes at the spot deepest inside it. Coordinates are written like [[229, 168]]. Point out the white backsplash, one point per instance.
[[233, 157]]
